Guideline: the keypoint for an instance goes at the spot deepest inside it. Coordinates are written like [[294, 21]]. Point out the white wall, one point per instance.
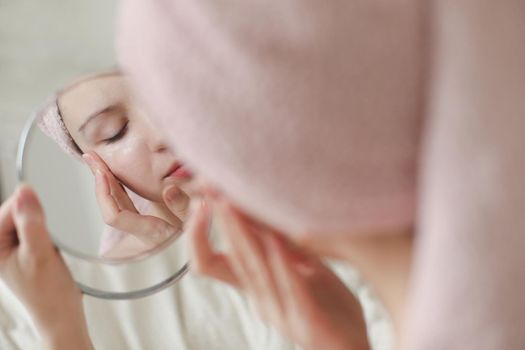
[[43, 45]]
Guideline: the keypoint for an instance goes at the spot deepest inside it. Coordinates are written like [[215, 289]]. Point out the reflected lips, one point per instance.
[[178, 171]]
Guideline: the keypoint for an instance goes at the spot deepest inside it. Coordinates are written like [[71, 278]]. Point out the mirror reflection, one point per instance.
[[96, 151]]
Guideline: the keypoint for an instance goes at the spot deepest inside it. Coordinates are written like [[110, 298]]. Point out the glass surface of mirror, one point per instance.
[[65, 188]]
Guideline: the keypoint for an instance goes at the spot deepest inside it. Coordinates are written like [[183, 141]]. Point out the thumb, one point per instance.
[[177, 201], [30, 222]]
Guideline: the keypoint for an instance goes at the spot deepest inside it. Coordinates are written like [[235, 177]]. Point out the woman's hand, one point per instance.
[[34, 271], [290, 290], [118, 210]]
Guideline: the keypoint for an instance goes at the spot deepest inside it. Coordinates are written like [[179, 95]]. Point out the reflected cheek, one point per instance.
[[125, 161], [130, 163]]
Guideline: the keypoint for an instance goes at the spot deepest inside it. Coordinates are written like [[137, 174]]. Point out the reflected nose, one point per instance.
[[157, 143], [160, 147], [156, 140]]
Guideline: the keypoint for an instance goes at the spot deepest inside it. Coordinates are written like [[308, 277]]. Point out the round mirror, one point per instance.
[[100, 169]]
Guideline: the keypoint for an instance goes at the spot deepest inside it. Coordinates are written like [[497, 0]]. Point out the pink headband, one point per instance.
[[51, 123]]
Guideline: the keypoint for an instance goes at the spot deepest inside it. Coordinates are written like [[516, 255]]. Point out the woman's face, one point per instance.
[[101, 116]]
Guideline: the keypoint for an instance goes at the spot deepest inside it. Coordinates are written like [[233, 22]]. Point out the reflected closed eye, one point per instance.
[[119, 135]]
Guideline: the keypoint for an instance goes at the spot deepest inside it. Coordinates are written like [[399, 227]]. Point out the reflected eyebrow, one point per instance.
[[111, 108]]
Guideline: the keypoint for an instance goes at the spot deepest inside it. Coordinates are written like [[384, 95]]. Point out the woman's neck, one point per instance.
[[382, 259]]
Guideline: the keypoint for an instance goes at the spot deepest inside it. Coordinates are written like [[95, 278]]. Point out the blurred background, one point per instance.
[[44, 45]]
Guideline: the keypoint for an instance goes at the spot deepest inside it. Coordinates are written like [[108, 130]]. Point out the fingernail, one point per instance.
[[171, 193], [99, 175], [26, 203], [89, 161]]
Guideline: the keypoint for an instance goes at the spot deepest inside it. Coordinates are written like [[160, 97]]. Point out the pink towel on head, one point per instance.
[[50, 122], [469, 278], [308, 114], [276, 101]]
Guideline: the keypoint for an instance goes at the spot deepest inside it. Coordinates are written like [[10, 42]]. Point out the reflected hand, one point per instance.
[[290, 290], [35, 272], [118, 210]]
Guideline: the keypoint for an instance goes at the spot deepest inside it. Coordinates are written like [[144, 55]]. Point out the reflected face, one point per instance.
[[101, 116]]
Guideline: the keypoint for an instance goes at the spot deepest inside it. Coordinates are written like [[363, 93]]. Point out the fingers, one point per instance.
[[118, 210], [177, 201], [248, 258], [8, 236], [30, 223], [293, 287], [269, 270], [6, 216], [108, 205], [94, 161], [204, 260], [117, 191], [22, 223], [113, 190], [200, 249], [147, 228]]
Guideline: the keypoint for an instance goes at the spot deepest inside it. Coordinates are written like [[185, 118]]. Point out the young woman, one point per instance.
[[121, 147]]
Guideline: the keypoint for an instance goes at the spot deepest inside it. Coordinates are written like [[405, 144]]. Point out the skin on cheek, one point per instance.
[[129, 161]]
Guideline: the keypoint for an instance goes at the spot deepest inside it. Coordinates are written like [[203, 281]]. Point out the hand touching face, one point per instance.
[[102, 116]]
